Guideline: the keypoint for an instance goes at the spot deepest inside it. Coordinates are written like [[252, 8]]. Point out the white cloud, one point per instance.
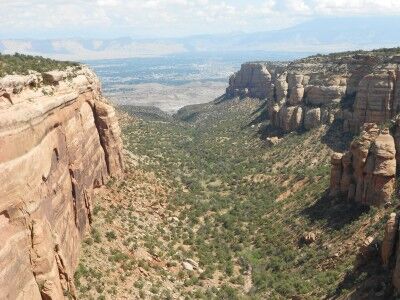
[[171, 17], [297, 7], [108, 2], [266, 8], [357, 7]]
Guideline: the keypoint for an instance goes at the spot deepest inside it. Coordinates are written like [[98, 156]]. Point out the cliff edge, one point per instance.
[[353, 88], [59, 140]]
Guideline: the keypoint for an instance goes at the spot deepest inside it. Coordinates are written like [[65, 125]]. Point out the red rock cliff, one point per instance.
[[59, 140], [351, 88], [367, 172]]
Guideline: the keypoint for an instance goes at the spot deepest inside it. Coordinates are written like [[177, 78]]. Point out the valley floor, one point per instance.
[[208, 210]]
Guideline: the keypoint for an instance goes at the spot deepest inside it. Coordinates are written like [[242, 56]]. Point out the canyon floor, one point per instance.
[[209, 210]]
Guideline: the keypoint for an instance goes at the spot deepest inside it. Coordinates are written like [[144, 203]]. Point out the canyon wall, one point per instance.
[[59, 140], [361, 92], [306, 93], [367, 172]]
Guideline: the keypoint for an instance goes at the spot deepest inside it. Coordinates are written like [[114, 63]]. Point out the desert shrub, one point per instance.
[[21, 64], [110, 235]]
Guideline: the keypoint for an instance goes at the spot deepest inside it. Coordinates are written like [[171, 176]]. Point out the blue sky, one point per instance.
[[170, 18]]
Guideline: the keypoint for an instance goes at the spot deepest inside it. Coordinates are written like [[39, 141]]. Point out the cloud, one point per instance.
[[108, 2], [142, 18], [297, 7], [357, 7]]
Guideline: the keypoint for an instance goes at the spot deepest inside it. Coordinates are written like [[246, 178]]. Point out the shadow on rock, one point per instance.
[[336, 139], [268, 130], [260, 115], [367, 280], [336, 212]]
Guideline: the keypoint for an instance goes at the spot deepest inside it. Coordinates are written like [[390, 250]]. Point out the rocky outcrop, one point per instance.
[[375, 97], [312, 118], [253, 80], [59, 140], [366, 174], [290, 118], [351, 88]]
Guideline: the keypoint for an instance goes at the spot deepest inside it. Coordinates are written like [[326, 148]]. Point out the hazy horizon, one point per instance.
[[317, 35], [108, 29]]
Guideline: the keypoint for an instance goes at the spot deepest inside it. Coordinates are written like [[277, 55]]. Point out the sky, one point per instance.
[[45, 19]]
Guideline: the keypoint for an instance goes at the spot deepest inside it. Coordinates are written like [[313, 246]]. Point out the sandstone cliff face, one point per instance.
[[59, 140], [366, 174], [253, 80], [355, 89]]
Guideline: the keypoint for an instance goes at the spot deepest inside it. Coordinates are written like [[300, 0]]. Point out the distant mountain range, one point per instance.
[[317, 35]]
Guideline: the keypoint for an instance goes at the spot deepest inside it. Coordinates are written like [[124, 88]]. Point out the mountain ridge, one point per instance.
[[317, 35]]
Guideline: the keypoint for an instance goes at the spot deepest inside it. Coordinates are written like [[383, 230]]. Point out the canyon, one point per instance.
[[59, 141], [286, 186]]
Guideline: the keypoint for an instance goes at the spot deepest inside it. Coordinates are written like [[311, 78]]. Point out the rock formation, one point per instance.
[[352, 88], [59, 140], [253, 80], [390, 249], [367, 172], [389, 239], [362, 92]]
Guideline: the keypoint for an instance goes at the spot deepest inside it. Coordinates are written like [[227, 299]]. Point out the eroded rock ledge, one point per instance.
[[366, 173], [354, 88], [59, 140]]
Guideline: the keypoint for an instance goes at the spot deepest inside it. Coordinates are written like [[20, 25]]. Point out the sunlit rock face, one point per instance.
[[366, 173], [353, 88], [253, 80], [59, 140]]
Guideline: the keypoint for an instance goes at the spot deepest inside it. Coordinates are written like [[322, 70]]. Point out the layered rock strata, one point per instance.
[[306, 93], [253, 80], [59, 140], [366, 173]]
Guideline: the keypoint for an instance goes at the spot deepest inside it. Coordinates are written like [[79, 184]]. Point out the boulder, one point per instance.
[[309, 237], [272, 141], [187, 266], [193, 263], [53, 77]]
